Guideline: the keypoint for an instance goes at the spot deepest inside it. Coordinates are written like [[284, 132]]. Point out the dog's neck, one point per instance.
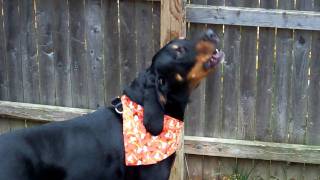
[[176, 101]]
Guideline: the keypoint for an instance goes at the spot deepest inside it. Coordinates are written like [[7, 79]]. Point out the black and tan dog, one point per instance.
[[91, 147]]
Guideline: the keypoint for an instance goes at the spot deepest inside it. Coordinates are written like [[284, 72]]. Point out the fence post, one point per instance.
[[173, 25]]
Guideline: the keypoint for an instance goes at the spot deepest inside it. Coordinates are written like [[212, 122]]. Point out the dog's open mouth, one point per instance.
[[216, 57]]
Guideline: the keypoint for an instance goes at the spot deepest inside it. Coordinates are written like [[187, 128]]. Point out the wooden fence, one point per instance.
[[259, 110], [74, 52], [268, 90]]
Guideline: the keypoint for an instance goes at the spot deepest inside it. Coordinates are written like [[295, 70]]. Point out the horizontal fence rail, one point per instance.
[[289, 19], [192, 145], [37, 112], [251, 149]]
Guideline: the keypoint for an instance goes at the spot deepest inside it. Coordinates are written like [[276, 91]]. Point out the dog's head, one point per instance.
[[176, 70]]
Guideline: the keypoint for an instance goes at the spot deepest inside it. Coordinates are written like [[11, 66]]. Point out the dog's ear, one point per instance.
[[154, 102]]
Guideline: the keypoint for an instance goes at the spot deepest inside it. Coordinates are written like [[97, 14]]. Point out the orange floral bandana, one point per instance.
[[141, 148]]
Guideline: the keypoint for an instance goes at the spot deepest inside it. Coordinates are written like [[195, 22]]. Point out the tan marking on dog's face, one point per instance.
[[204, 50]]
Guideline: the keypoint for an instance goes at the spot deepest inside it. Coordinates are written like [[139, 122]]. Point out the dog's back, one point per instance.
[[81, 148]]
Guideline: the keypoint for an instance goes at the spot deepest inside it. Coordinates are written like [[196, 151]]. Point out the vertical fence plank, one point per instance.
[[62, 65], [156, 11], [313, 135], [94, 39], [172, 12], [247, 102], [302, 45], [111, 50], [263, 131], [44, 16], [294, 171], [231, 79], [312, 172], [248, 83], [28, 43], [231, 85], [282, 90], [13, 51], [195, 121], [265, 77], [3, 66], [79, 64], [4, 125], [127, 50], [194, 167], [144, 36], [282, 84], [213, 110]]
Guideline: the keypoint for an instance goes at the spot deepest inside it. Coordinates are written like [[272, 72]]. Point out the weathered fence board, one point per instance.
[[94, 41], [246, 106], [265, 68], [111, 50], [128, 57], [79, 63], [3, 66], [143, 19], [13, 51], [45, 28], [301, 50], [41, 113], [253, 17], [213, 105], [313, 135], [195, 113], [61, 41], [265, 78], [29, 56], [313, 126], [252, 149]]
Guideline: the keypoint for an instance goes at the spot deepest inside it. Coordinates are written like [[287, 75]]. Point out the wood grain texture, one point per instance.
[[172, 23], [194, 167], [248, 79], [195, 113], [144, 34], [313, 126], [62, 61], [282, 86], [94, 39], [13, 51], [111, 50], [301, 50], [29, 56], [213, 95], [289, 19], [213, 106], [231, 79], [79, 64], [312, 172], [4, 125], [3, 63], [265, 79], [36, 112], [251, 149], [128, 66], [156, 14], [44, 15]]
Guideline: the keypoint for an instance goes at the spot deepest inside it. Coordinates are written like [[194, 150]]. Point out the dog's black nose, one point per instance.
[[212, 36]]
